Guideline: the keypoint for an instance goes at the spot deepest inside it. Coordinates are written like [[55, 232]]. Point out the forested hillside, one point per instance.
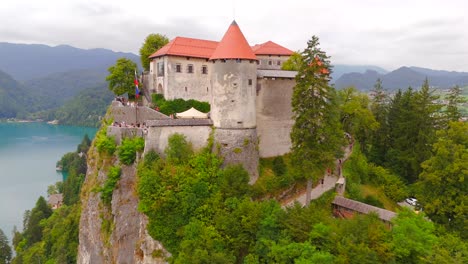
[[15, 101], [60, 87]]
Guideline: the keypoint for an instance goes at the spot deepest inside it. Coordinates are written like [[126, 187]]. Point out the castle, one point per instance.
[[249, 94]]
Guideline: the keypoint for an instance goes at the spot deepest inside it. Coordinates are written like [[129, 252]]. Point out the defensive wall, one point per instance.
[[274, 112], [134, 114]]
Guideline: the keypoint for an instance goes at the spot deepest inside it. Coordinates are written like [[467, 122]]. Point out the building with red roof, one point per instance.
[[182, 68], [249, 94]]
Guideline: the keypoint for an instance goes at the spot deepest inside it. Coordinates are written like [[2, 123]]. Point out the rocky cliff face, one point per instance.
[[117, 234]]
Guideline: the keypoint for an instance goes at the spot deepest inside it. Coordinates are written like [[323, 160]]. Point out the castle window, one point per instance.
[[190, 68], [204, 69], [250, 81], [278, 63], [178, 67], [269, 62], [185, 88], [160, 68]]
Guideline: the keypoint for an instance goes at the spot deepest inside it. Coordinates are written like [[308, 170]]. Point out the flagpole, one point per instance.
[[136, 99]]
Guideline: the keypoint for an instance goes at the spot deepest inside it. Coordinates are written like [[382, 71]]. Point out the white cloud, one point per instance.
[[426, 33]]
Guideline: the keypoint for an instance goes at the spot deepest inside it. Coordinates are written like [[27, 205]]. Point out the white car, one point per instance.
[[411, 201]]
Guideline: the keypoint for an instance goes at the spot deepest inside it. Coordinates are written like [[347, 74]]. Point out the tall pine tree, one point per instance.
[[316, 136]]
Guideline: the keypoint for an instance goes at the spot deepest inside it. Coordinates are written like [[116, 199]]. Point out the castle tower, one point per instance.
[[233, 82]]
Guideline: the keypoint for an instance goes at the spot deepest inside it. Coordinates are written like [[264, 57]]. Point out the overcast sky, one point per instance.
[[386, 33]]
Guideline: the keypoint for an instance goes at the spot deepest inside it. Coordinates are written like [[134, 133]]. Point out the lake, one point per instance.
[[28, 154]]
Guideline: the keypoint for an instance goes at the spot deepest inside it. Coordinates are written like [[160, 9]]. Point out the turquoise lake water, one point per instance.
[[28, 154]]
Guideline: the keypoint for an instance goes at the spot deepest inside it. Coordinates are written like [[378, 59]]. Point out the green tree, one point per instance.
[[5, 249], [122, 76], [84, 145], [412, 237], [379, 139], [153, 42], [412, 122], [454, 100], [178, 149], [443, 181], [316, 135], [293, 63], [356, 116]]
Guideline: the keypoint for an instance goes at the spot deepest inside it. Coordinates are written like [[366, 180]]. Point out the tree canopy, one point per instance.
[[122, 76], [316, 135], [152, 43], [443, 181], [5, 249]]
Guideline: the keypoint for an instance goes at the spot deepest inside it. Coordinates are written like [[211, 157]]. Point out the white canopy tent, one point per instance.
[[192, 113]]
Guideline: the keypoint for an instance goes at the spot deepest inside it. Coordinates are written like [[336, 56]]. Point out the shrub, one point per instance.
[[105, 144], [279, 168], [128, 149], [178, 105], [372, 200], [178, 149], [107, 189], [392, 185]]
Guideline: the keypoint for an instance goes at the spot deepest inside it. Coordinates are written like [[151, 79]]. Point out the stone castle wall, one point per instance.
[[133, 115], [274, 116], [239, 146], [157, 137]]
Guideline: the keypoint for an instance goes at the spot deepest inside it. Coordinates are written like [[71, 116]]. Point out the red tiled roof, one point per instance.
[[188, 47], [271, 48], [233, 45]]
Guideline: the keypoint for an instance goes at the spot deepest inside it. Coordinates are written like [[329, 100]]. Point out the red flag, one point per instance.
[[137, 92]]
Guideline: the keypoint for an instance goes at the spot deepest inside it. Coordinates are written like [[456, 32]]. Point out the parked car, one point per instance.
[[411, 201]]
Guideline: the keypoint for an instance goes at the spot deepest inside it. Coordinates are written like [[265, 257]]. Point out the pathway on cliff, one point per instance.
[[329, 182]]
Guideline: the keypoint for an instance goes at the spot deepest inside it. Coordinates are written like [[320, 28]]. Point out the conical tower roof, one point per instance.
[[233, 45]]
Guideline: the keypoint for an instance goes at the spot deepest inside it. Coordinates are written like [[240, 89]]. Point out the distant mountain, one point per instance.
[[402, 78], [340, 69], [14, 100], [62, 86], [86, 108], [29, 61]]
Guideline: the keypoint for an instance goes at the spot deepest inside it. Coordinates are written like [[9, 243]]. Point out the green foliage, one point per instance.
[[169, 107], [152, 43], [104, 144], [122, 76], [234, 181], [294, 62], [359, 171], [274, 178], [178, 149], [455, 99], [85, 109], [113, 176], [72, 187], [316, 132], [443, 181], [411, 123], [5, 249], [413, 237], [356, 117], [204, 214], [129, 148], [279, 167], [33, 230]]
